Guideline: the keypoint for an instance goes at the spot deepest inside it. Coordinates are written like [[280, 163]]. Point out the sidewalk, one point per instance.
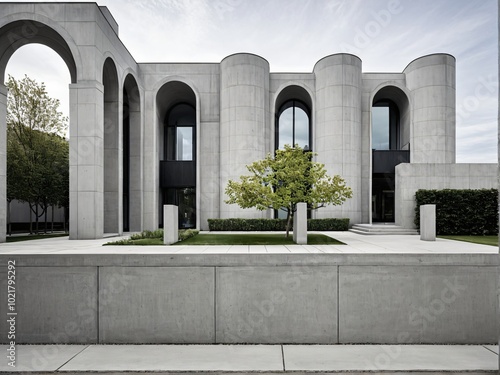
[[251, 358]]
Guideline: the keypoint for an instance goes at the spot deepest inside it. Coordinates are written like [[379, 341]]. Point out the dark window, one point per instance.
[[293, 125], [180, 125], [385, 126]]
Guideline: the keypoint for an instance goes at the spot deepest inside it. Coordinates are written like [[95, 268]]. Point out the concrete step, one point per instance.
[[381, 229]]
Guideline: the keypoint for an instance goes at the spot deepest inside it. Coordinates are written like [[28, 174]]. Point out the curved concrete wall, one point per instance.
[[337, 136], [244, 118], [432, 82]]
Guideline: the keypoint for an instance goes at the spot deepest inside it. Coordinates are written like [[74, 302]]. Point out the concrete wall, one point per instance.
[[308, 298], [412, 177]]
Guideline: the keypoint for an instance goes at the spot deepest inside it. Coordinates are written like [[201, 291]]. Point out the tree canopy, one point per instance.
[[37, 152], [288, 178]]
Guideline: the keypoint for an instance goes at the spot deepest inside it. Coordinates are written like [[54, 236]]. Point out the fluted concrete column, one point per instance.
[[431, 80], [86, 171], [244, 117], [338, 127], [3, 162]]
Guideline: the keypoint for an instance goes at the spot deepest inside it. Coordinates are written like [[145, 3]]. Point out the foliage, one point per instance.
[[461, 212], [184, 234], [37, 153], [154, 237], [148, 234], [288, 178], [259, 225], [482, 240]]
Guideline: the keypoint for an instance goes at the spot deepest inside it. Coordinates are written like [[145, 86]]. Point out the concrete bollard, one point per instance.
[[300, 224], [428, 222], [170, 224]]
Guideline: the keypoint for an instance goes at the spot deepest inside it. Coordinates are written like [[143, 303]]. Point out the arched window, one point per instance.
[[293, 125], [385, 126], [180, 126]]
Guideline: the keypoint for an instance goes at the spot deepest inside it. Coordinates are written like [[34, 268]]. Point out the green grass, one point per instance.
[[255, 239], [482, 240], [31, 237]]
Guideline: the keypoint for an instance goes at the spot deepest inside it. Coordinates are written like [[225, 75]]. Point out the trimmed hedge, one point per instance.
[[461, 212], [265, 225]]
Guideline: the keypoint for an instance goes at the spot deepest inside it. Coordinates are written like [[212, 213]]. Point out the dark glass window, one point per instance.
[[180, 123], [385, 126], [293, 125]]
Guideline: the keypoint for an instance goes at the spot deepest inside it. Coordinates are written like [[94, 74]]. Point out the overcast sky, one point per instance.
[[294, 34]]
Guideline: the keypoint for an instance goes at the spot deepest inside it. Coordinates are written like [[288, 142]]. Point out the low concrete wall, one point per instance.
[[412, 177], [268, 298]]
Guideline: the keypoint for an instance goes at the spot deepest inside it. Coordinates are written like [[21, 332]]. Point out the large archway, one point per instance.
[[132, 156], [13, 36], [112, 150], [390, 145], [177, 121]]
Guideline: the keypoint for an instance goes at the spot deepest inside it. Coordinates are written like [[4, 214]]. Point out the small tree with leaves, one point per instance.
[[288, 178], [36, 155]]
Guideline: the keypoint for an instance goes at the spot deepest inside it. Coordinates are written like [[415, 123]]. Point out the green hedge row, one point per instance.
[[275, 224], [461, 212]]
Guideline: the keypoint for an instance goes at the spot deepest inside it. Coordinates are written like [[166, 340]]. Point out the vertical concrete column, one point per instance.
[[337, 137], [86, 165], [428, 222], [300, 224], [431, 80], [136, 180], [170, 224], [3, 162], [150, 164], [244, 117]]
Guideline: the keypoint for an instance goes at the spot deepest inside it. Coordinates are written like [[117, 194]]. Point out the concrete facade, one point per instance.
[[114, 101], [307, 298]]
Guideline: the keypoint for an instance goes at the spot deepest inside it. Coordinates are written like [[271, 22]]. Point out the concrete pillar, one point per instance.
[[170, 224], [337, 137], [3, 162], [300, 224], [431, 80], [244, 118], [136, 180], [86, 160], [428, 222], [150, 164]]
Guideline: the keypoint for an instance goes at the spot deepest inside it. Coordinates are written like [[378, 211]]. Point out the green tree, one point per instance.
[[37, 156], [288, 178]]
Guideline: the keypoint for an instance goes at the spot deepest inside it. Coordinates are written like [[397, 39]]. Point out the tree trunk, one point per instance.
[[9, 226], [31, 218], [288, 220], [37, 219], [45, 224], [52, 225]]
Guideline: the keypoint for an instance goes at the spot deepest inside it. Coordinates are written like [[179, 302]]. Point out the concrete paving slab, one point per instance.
[[178, 358], [493, 348], [238, 249], [39, 357], [388, 358], [257, 249]]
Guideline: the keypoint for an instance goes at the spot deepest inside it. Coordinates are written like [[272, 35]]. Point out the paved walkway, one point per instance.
[[355, 244], [251, 358]]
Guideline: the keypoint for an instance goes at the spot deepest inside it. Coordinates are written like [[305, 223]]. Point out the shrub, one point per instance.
[[265, 225], [147, 234], [461, 212], [184, 234]]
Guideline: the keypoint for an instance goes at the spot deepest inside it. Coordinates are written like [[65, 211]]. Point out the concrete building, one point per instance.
[[144, 135]]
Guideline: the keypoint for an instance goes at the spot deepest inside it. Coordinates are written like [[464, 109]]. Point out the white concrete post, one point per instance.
[[428, 222], [170, 224], [300, 224], [3, 162]]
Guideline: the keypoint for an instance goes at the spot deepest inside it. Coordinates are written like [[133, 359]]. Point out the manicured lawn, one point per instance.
[[482, 240], [34, 237], [255, 239], [234, 239]]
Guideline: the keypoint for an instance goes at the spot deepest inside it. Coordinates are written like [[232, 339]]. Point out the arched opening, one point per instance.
[[13, 36], [132, 160], [390, 135], [112, 150], [293, 124], [176, 105]]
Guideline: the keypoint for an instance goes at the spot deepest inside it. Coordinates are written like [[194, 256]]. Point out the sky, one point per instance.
[[294, 34]]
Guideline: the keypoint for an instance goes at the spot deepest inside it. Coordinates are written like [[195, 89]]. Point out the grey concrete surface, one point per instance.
[[388, 358], [156, 305], [178, 358], [300, 224], [428, 222], [410, 305], [54, 305], [47, 358], [171, 224], [276, 304]]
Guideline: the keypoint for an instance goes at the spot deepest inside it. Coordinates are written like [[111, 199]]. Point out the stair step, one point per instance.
[[382, 229]]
